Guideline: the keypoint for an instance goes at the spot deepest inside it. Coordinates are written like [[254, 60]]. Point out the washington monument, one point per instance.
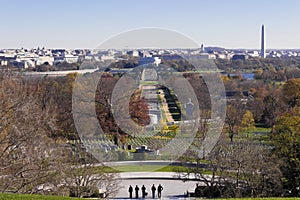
[[263, 43]]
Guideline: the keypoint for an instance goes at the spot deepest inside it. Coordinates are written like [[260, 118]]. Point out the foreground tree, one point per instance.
[[33, 157], [83, 176], [25, 149], [286, 141], [236, 169]]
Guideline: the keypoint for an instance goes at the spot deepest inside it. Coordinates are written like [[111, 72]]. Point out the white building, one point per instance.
[[149, 60], [106, 57], [48, 60], [133, 53], [70, 59]]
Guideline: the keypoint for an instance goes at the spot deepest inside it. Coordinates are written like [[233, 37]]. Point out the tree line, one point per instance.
[[240, 164]]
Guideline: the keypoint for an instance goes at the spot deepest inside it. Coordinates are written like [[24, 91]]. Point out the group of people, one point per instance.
[[144, 193]]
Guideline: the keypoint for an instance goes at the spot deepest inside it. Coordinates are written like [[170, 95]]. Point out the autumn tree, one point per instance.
[[33, 157], [247, 121], [286, 141], [291, 92], [56, 97]]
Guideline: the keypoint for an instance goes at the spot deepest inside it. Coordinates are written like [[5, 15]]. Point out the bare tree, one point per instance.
[[236, 169], [234, 114], [32, 158], [84, 177], [25, 148]]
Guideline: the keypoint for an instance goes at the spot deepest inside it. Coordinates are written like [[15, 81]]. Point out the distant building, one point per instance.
[[145, 54], [29, 63], [240, 57], [253, 54], [7, 58], [68, 58], [47, 60], [204, 55], [107, 57], [133, 53], [274, 54], [3, 62], [149, 60], [71, 59], [222, 56], [212, 56]]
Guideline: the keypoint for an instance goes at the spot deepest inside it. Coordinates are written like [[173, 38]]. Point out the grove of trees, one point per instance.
[[35, 156], [242, 166], [36, 125]]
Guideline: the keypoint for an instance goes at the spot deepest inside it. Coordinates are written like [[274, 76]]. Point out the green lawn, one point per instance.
[[148, 168], [148, 83], [272, 198], [258, 134], [4, 196], [41, 197]]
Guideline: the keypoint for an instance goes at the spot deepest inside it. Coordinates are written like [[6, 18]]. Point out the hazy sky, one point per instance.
[[87, 23]]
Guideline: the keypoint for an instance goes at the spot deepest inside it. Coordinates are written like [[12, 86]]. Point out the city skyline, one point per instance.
[[86, 24]]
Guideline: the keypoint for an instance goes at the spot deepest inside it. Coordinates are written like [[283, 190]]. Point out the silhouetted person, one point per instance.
[[159, 189], [136, 191], [130, 190], [153, 189], [143, 191], [197, 190]]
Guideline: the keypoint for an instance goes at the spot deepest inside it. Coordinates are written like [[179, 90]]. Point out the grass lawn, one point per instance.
[[272, 198], [4, 196], [41, 197], [148, 168], [258, 134], [152, 168], [148, 83]]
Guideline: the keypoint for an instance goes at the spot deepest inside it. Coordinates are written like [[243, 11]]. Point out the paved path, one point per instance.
[[148, 175], [173, 189], [165, 107]]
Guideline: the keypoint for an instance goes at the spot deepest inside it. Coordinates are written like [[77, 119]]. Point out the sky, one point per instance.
[[88, 23]]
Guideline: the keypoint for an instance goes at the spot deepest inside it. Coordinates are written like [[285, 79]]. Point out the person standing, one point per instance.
[[159, 189], [197, 190], [143, 191], [137, 191], [153, 189], [130, 190]]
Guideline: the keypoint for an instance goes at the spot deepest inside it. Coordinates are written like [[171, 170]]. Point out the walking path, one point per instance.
[[173, 188], [165, 107]]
